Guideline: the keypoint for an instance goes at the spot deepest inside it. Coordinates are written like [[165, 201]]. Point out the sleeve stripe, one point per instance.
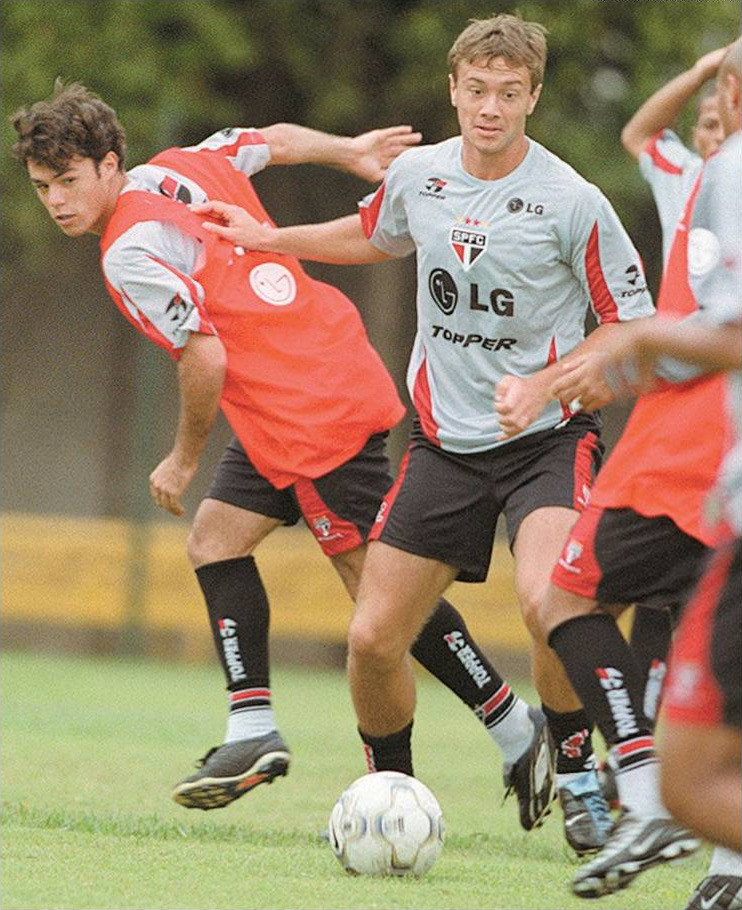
[[149, 329], [370, 213], [659, 160], [603, 302], [193, 289]]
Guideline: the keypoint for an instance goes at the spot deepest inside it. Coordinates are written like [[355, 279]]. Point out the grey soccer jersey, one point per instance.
[[670, 169], [506, 272], [715, 274]]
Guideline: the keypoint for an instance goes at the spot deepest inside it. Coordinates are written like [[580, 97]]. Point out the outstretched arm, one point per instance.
[[201, 370], [340, 241], [366, 156], [663, 107]]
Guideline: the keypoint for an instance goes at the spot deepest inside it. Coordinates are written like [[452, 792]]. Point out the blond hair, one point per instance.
[[520, 43]]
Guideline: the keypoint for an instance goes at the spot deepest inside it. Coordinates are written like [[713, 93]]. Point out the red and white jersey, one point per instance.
[[668, 457], [671, 170], [304, 389], [152, 264], [715, 274], [507, 270]]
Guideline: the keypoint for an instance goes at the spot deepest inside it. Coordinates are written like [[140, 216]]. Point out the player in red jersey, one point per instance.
[[289, 363], [644, 534], [671, 170], [701, 746]]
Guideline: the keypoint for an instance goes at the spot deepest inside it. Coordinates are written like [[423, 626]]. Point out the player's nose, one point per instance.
[[56, 197]]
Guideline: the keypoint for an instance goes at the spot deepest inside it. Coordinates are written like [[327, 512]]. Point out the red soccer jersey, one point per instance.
[[668, 457], [304, 389]]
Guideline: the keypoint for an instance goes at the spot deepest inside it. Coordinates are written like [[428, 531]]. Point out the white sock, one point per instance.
[[249, 724], [725, 862], [639, 790], [513, 734]]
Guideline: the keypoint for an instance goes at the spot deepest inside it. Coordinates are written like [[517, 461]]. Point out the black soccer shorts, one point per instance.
[[339, 508]]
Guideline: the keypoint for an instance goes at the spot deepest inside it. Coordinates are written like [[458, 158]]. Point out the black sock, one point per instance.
[[571, 736], [239, 617], [604, 674], [389, 753], [651, 632], [446, 648]]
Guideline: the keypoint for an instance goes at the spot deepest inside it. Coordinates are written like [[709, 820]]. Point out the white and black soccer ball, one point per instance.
[[386, 823]]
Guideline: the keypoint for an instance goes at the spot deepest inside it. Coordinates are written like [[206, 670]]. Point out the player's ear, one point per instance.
[[535, 95], [452, 88], [109, 163]]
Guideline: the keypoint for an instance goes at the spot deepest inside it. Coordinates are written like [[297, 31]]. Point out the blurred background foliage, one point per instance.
[[177, 71]]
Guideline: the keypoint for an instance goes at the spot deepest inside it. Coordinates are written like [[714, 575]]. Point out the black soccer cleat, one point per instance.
[[587, 818], [229, 771], [531, 777], [635, 844], [717, 892]]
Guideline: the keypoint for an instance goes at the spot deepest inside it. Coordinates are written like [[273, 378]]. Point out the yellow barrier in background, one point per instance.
[[67, 577]]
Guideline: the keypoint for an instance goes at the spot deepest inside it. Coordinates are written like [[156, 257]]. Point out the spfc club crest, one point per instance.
[[468, 241]]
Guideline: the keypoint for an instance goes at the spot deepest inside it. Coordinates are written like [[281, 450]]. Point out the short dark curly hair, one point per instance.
[[72, 122]]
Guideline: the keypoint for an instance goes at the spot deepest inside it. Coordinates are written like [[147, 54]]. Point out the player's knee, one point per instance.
[[531, 607], [199, 546], [371, 646], [208, 542]]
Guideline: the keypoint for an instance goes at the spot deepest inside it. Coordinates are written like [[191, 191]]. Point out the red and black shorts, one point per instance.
[[445, 505], [338, 508], [704, 684], [617, 556]]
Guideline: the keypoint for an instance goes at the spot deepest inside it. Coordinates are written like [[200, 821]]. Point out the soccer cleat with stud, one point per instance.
[[587, 818], [531, 777], [229, 771], [635, 844], [717, 892]]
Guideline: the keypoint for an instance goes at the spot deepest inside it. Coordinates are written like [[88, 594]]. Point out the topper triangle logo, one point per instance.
[[468, 240]]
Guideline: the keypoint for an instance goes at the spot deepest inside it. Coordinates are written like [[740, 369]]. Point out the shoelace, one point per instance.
[[202, 761], [596, 806]]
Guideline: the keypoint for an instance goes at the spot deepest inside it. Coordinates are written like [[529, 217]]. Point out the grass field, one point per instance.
[[91, 748]]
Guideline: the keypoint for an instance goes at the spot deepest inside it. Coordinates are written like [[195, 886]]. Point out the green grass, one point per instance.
[[91, 748]]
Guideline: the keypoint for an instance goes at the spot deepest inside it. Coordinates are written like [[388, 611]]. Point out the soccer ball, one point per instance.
[[386, 823]]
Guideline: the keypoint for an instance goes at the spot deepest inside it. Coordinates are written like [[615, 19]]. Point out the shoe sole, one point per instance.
[[217, 792], [621, 875], [546, 755]]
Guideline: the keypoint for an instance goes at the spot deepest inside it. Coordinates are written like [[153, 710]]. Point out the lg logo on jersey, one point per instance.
[[515, 205], [273, 283], [445, 293]]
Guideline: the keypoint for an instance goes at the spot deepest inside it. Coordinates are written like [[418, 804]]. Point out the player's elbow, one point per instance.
[[631, 141]]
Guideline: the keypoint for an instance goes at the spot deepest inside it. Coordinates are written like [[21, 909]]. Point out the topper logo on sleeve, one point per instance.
[[468, 240]]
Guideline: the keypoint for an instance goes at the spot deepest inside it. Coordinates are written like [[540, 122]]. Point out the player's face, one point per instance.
[[81, 198], [492, 100], [708, 133]]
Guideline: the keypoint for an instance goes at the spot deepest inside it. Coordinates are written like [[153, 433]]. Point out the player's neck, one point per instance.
[[112, 199], [496, 165]]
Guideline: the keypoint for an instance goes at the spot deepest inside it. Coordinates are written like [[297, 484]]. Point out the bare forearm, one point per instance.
[[340, 241], [367, 155], [290, 143], [711, 347], [201, 371], [591, 344]]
